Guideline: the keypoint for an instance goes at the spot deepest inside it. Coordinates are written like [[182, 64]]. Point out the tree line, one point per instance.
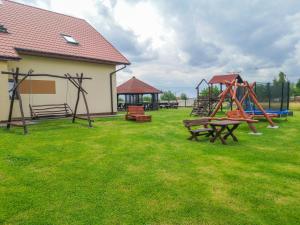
[[261, 90]]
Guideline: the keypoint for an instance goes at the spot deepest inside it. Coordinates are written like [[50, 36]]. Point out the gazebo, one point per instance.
[[134, 91]]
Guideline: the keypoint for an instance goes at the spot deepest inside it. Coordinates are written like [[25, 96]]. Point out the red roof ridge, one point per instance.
[[133, 77], [56, 55], [222, 78], [136, 86], [47, 10]]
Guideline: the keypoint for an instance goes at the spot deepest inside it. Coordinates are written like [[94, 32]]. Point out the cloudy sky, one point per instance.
[[173, 44]]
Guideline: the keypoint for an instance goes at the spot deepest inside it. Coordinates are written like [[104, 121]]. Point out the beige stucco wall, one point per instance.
[[4, 98], [98, 88]]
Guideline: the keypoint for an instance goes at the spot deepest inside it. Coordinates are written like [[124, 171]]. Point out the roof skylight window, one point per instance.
[[3, 29], [70, 39]]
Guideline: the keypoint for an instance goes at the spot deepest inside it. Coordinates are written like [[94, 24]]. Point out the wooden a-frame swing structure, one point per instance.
[[19, 78], [239, 114]]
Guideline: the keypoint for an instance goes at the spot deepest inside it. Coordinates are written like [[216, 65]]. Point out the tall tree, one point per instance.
[[147, 99], [280, 79], [298, 84], [168, 96], [296, 89], [215, 91], [183, 96], [277, 85]]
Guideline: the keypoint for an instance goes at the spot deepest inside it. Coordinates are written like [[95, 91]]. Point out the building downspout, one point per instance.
[[111, 88]]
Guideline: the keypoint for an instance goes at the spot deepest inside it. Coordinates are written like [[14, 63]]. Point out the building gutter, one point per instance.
[[111, 87]]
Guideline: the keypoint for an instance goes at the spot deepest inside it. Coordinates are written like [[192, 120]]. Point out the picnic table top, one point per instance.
[[224, 122]]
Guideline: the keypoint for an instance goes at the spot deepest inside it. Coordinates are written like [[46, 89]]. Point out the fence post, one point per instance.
[[282, 89], [288, 95], [221, 90], [269, 93]]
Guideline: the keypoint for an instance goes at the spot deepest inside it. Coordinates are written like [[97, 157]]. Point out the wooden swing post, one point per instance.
[[80, 91], [223, 96], [242, 113], [246, 95], [16, 93], [45, 111], [256, 102]]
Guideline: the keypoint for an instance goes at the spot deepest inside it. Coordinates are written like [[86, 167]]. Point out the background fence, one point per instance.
[[183, 103]]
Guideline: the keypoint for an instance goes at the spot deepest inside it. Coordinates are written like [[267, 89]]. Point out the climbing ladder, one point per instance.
[[203, 106]]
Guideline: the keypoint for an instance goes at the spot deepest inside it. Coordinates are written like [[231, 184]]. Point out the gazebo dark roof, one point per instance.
[[222, 79], [136, 86]]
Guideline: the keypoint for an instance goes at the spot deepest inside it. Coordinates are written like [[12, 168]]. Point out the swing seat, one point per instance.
[[238, 115], [51, 111], [235, 114]]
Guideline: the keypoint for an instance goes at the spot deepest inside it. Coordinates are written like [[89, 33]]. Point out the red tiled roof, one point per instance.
[[136, 86], [40, 31], [222, 79]]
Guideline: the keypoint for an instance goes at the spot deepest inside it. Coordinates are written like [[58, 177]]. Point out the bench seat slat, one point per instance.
[[198, 127], [50, 111], [42, 109], [54, 113], [49, 105], [201, 130], [53, 117]]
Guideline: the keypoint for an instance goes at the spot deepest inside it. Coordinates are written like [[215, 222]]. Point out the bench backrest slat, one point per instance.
[[50, 111], [135, 110], [197, 122]]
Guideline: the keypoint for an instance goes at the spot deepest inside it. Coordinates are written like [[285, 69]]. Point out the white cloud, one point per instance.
[[176, 43], [80, 9], [144, 20]]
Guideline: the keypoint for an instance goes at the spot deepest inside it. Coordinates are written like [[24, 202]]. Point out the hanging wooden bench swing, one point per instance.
[[49, 111]]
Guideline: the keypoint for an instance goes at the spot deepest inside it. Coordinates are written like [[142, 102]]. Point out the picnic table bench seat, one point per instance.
[[219, 129], [137, 113], [202, 128]]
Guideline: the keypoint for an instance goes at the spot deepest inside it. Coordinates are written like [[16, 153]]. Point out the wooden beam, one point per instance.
[[44, 75], [235, 90], [223, 96], [85, 102], [15, 94], [75, 82], [81, 92], [76, 104], [254, 99]]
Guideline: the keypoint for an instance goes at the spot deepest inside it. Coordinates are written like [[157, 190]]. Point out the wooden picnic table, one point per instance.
[[220, 126]]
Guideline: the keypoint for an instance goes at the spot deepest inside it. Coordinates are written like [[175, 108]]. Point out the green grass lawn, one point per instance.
[[121, 172]]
